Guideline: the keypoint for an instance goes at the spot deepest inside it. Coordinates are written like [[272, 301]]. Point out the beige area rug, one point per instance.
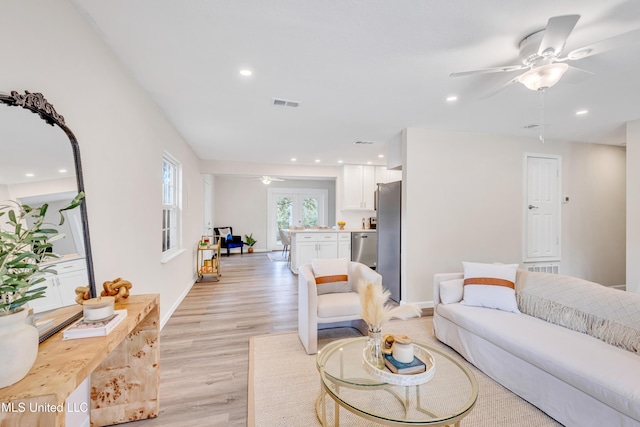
[[284, 384]]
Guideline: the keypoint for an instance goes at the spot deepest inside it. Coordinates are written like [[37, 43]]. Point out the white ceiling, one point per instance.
[[362, 71], [31, 146]]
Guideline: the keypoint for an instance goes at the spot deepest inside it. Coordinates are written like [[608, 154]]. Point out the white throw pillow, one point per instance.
[[451, 291], [490, 285], [332, 275], [224, 232]]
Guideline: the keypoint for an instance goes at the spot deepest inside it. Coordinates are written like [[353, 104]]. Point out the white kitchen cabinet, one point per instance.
[[309, 246], [61, 287], [305, 252], [344, 245], [327, 250], [358, 187], [51, 299], [384, 175]]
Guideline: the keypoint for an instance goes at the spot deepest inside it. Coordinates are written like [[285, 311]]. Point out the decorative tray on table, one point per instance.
[[389, 377]]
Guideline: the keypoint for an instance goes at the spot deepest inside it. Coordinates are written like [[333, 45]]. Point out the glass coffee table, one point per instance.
[[443, 400]]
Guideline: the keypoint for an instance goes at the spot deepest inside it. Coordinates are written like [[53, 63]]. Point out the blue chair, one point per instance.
[[228, 240]]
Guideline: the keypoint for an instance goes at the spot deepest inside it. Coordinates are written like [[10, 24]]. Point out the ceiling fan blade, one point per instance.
[[615, 42], [556, 34], [507, 68], [575, 75], [495, 90]]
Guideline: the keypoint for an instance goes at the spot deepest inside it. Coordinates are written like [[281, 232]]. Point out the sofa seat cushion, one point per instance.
[[338, 304], [606, 372]]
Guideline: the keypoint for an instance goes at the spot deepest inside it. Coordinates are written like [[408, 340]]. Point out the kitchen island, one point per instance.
[[309, 244]]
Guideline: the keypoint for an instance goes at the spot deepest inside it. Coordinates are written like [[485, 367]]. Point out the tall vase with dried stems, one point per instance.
[[376, 311]]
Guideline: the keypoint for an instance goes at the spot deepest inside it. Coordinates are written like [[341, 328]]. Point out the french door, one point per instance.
[[294, 207]]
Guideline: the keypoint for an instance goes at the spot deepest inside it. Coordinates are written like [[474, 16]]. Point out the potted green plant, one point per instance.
[[23, 248], [250, 241]]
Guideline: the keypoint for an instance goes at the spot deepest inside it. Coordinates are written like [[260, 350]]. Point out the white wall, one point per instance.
[[242, 203], [293, 171], [122, 135], [463, 198], [41, 188], [633, 206]]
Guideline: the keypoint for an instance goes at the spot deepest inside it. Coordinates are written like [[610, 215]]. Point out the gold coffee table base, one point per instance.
[[341, 359]]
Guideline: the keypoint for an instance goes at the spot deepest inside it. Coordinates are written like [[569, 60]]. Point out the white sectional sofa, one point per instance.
[[573, 375]]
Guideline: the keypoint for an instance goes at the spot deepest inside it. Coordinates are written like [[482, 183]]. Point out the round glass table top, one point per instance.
[[443, 400]]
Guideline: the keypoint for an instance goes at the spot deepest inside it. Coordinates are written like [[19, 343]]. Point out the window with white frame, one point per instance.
[[171, 196]]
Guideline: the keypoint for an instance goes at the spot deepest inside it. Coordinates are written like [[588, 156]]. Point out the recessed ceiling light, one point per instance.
[[380, 156], [452, 98], [581, 112], [29, 175], [317, 160], [62, 171], [369, 163], [340, 161], [245, 72], [293, 159]]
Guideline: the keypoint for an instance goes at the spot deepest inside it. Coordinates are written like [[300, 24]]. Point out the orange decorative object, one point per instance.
[[118, 288], [82, 294]]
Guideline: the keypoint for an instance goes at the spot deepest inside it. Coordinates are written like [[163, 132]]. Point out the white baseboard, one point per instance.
[[421, 304], [175, 305]]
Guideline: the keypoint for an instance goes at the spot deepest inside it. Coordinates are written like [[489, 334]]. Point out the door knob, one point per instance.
[[533, 207]]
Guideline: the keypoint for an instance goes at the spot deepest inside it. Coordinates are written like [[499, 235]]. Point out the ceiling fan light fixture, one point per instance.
[[544, 76]]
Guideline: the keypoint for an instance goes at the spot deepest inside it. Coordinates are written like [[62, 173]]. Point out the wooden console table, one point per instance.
[[124, 367]]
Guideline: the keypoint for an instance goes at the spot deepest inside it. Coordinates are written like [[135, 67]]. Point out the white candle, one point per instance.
[[98, 308]]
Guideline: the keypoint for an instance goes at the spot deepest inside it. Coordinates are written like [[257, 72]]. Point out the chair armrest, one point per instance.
[[307, 290], [358, 272]]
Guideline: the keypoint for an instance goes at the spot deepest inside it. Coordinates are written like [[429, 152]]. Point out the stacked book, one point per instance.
[[85, 328], [416, 366]]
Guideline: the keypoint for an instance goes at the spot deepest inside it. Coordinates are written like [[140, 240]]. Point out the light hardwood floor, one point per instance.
[[204, 347]]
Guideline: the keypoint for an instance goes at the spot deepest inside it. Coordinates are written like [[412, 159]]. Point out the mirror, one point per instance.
[[40, 163]]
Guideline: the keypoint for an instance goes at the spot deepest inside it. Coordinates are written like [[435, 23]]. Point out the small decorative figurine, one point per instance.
[[118, 288]]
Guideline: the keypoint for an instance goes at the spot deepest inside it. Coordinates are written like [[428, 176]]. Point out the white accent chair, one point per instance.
[[329, 310]]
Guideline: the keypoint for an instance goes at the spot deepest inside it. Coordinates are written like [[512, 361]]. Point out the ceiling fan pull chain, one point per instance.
[[541, 90]]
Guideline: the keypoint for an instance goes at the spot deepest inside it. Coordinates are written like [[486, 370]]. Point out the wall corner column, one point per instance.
[[633, 206]]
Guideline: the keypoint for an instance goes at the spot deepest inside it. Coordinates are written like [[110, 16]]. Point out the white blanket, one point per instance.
[[608, 314]]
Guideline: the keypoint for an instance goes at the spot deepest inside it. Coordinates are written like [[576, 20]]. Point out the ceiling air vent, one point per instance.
[[364, 142], [277, 102], [531, 126]]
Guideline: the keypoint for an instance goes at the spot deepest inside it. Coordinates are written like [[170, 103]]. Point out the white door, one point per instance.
[[297, 207], [542, 207]]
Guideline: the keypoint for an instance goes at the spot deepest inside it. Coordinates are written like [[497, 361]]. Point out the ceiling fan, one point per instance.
[[266, 180], [540, 54]]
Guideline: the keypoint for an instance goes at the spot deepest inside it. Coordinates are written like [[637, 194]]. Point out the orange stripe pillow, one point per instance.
[[332, 275], [490, 285]]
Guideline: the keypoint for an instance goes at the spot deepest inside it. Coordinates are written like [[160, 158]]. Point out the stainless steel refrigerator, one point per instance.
[[389, 202]]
